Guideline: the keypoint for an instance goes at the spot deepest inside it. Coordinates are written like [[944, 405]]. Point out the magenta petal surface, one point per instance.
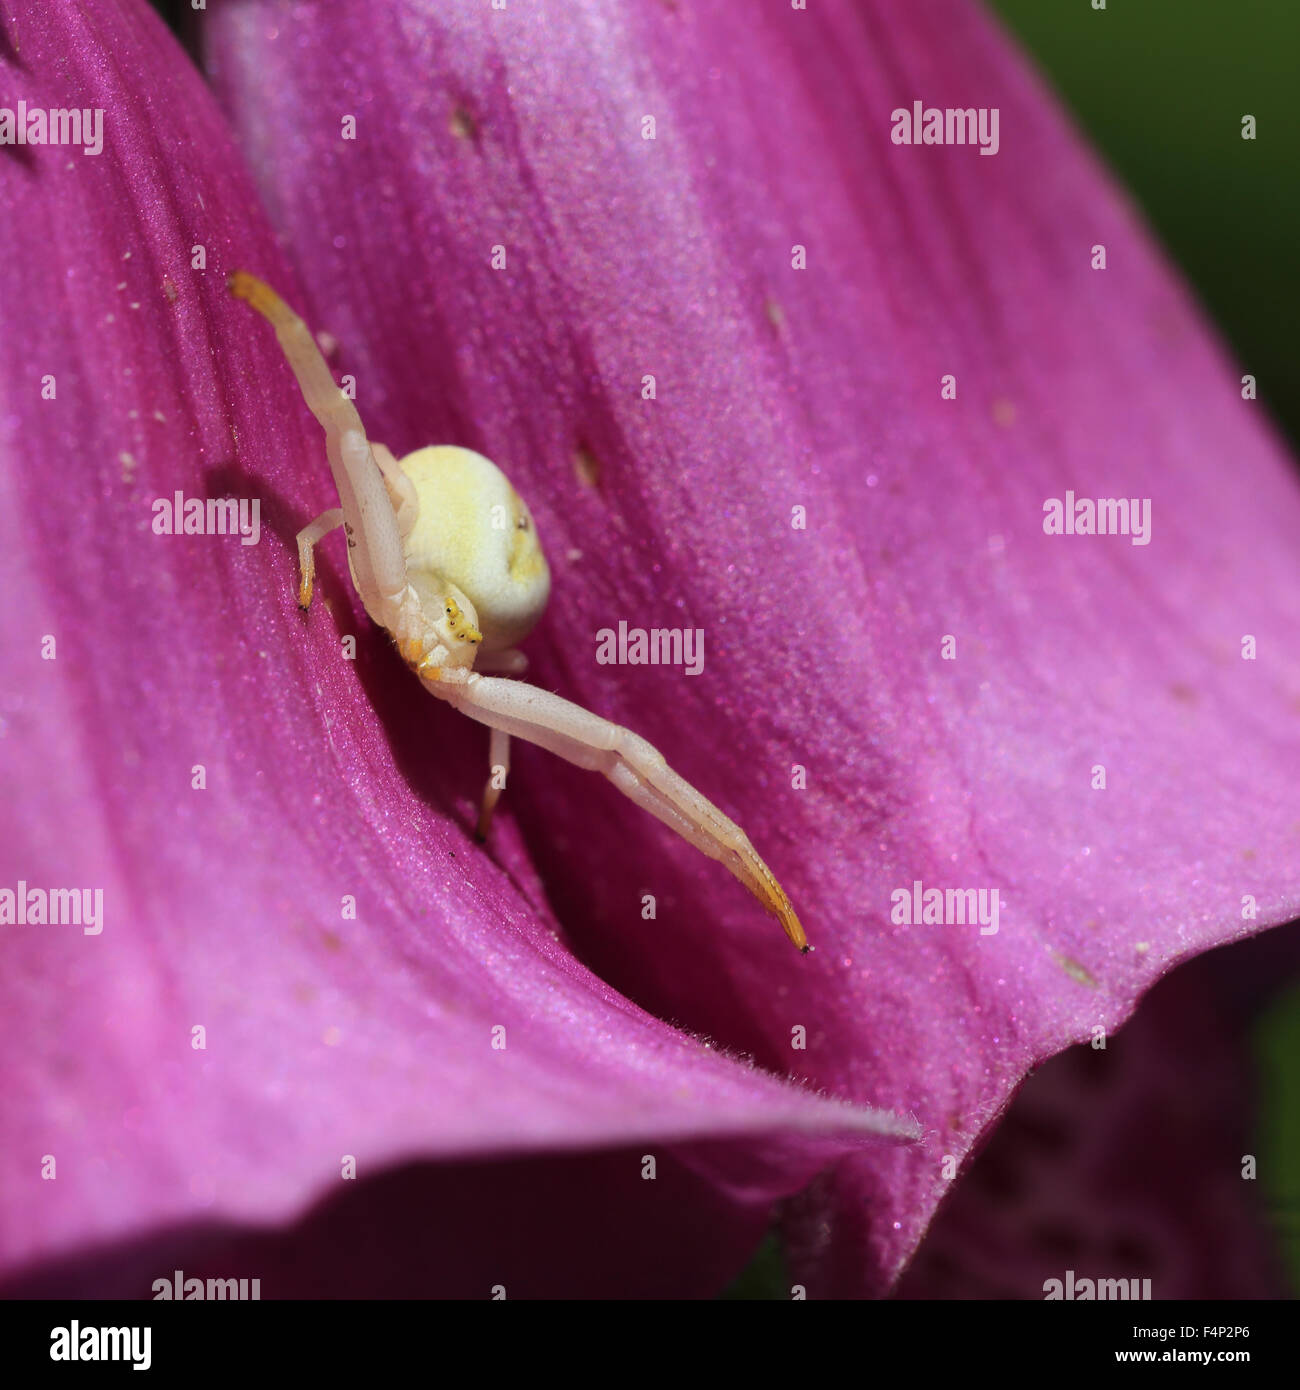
[[820, 388], [578, 1224], [1087, 1170], [176, 734]]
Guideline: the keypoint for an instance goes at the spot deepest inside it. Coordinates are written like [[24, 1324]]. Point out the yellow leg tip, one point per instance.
[[778, 905], [794, 930], [260, 296]]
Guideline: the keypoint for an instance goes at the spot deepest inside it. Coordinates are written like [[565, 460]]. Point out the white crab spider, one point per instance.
[[452, 588]]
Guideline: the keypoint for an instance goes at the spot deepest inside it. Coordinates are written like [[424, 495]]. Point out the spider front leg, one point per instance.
[[634, 766], [366, 486]]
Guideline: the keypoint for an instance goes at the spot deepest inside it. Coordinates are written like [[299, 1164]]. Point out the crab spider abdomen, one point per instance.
[[473, 530]]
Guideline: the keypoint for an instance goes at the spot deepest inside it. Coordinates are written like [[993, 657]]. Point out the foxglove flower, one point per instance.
[[303, 968], [768, 374]]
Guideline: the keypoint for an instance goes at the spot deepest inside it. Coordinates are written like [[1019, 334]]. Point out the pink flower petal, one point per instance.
[[779, 388], [1089, 1169], [570, 1225], [328, 1037]]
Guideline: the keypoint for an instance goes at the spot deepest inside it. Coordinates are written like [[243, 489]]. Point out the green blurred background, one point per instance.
[[1160, 87]]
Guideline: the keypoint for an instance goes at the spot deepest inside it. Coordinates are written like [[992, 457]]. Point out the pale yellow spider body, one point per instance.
[[445, 555], [480, 535]]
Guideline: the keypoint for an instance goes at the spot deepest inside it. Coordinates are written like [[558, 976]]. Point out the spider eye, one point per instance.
[[522, 523]]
